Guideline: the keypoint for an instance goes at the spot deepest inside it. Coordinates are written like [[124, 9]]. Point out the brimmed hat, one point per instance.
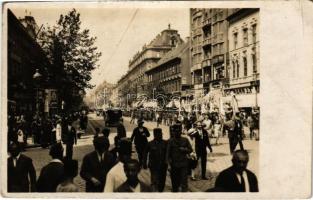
[[140, 121]]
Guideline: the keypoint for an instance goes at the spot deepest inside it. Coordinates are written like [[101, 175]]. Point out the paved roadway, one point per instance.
[[217, 161]]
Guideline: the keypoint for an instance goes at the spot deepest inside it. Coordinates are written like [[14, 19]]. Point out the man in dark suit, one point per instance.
[[21, 172], [201, 143], [234, 127], [156, 150], [177, 150], [237, 178], [96, 165], [132, 184], [52, 174], [71, 139], [140, 135]]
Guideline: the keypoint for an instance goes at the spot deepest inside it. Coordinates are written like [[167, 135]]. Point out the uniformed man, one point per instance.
[[156, 150]]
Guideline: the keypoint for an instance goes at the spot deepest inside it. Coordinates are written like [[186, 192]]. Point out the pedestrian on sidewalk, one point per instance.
[[20, 137], [156, 151], [21, 171], [192, 157], [140, 137], [71, 139], [202, 142], [237, 178], [70, 172], [96, 165], [177, 153], [132, 184], [97, 131], [52, 174]]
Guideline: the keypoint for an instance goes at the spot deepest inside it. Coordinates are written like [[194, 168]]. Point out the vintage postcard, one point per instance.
[[157, 99]]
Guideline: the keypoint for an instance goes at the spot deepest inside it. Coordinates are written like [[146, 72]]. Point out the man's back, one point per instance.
[[178, 148], [50, 177]]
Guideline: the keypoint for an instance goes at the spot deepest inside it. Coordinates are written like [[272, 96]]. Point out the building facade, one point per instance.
[[171, 75], [24, 57], [209, 47], [244, 59], [135, 82]]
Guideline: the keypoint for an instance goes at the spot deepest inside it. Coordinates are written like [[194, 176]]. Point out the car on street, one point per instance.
[[113, 117]]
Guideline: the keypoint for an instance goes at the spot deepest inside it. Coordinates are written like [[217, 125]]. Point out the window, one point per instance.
[[254, 33], [254, 61], [245, 37], [238, 69], [235, 40], [245, 67], [234, 69]]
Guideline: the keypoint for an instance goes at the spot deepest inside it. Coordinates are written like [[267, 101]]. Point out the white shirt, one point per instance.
[[207, 124], [15, 159], [136, 189], [58, 133], [56, 160], [20, 135], [115, 177], [245, 179]]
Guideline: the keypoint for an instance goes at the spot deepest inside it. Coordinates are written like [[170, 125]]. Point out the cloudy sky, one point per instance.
[[120, 32]]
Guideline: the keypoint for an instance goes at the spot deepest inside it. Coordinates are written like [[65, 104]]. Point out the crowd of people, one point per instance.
[[43, 130], [117, 169]]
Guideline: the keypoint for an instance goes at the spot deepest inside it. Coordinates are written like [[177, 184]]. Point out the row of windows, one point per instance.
[[175, 69], [171, 86], [236, 66], [245, 36]]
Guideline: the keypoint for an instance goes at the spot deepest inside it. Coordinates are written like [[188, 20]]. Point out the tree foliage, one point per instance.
[[73, 55]]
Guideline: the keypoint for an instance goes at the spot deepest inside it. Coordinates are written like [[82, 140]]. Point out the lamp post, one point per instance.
[[37, 78], [255, 83]]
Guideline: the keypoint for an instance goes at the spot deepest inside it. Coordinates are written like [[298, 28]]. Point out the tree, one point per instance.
[[73, 54]]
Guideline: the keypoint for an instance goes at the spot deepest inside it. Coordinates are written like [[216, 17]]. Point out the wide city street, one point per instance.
[[217, 161]]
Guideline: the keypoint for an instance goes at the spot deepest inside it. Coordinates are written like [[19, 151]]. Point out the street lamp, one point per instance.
[[37, 78], [255, 83]]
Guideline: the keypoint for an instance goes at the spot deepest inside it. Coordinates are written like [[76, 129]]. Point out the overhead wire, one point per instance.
[[120, 40]]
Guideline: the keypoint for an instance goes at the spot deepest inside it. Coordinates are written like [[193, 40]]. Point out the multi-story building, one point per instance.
[[24, 57], [208, 49], [134, 82], [171, 75], [243, 36]]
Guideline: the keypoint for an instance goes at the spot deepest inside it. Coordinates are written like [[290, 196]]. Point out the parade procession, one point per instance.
[[111, 101]]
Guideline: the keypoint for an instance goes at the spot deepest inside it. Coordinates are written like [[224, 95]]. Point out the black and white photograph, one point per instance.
[[107, 99]]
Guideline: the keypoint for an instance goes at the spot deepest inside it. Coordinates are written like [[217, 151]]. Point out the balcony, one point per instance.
[[207, 41], [206, 62], [196, 67], [206, 22]]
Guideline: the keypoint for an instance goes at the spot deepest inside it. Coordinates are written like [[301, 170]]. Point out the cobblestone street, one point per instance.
[[217, 161]]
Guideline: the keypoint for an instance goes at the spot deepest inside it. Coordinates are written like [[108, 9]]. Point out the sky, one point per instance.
[[120, 32]]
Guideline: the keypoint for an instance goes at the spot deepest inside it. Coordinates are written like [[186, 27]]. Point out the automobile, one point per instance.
[[99, 112], [112, 117]]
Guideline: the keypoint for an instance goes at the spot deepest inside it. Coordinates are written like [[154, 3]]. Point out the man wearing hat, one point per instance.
[[234, 127], [140, 135], [156, 150]]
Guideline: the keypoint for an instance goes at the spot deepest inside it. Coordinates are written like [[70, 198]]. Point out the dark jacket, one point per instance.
[[227, 181], [156, 150], [177, 151], [50, 177], [18, 176], [70, 135], [202, 142], [92, 167], [140, 137], [126, 188]]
